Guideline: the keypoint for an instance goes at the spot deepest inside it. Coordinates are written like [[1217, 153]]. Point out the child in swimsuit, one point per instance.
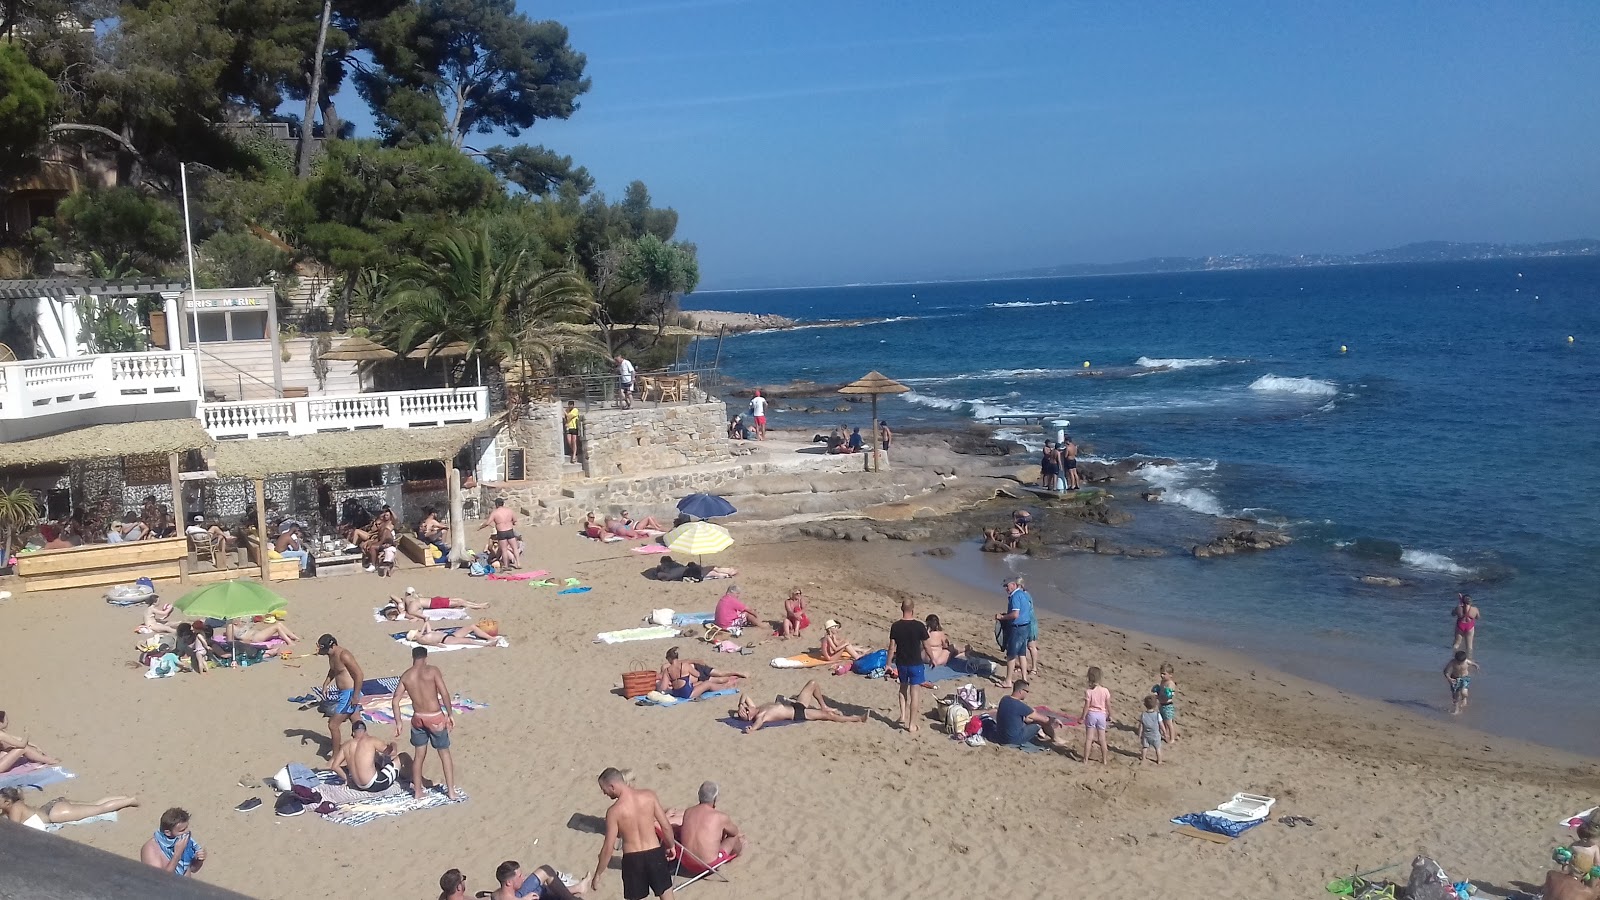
[[1096, 716], [1166, 692], [1458, 672]]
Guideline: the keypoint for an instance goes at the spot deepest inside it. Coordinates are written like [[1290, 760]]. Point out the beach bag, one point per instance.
[[971, 696], [956, 718], [877, 659], [638, 682], [1428, 881], [661, 616]]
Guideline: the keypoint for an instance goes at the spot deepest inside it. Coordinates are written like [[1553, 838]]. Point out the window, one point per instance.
[[364, 477], [422, 471], [213, 328], [249, 326]]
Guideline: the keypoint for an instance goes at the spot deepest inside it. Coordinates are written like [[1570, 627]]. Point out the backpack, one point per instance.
[[956, 718]]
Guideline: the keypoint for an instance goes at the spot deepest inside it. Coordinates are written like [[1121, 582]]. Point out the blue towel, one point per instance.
[[576, 590], [646, 701], [956, 669], [35, 778], [1217, 825], [686, 620]]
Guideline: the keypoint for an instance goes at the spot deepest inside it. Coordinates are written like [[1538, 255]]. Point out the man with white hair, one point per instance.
[[708, 834]]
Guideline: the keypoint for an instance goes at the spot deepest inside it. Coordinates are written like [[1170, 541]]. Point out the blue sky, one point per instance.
[[830, 142]]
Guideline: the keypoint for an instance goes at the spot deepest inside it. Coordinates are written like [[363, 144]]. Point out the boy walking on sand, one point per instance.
[[1096, 716], [1166, 693], [1150, 726], [1458, 672]]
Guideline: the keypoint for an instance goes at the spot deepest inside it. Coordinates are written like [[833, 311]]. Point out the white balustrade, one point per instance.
[[35, 388], [392, 409]]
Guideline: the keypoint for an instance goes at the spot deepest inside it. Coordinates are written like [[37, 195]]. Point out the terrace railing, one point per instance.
[[392, 409]]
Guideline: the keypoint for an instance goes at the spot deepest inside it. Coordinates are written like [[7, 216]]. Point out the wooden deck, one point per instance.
[[96, 564]]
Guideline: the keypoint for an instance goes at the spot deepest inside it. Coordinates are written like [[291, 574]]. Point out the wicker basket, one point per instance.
[[639, 683]]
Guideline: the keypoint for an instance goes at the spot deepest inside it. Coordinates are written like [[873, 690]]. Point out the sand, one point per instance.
[[832, 810]]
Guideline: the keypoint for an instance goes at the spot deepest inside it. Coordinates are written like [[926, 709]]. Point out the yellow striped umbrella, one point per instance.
[[698, 539]]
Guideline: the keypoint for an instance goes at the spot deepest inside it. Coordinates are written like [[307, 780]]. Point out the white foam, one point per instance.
[[935, 402], [992, 375], [1029, 304], [1146, 362], [1173, 481], [1309, 387], [1429, 561], [979, 409]]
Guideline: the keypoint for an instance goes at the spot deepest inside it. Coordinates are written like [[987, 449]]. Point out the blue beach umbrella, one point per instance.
[[705, 506]]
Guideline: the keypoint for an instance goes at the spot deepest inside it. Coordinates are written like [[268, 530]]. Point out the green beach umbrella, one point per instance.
[[230, 600]]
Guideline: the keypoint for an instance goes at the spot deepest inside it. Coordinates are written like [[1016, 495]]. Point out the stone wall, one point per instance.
[[631, 442]]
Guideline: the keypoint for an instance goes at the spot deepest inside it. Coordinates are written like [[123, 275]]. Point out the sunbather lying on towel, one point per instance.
[[835, 648], [687, 679], [466, 634], [155, 619], [59, 811], [807, 706], [411, 606], [620, 528], [648, 523], [14, 750], [366, 762], [248, 632]]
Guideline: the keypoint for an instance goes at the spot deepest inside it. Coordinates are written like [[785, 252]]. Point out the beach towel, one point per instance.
[[518, 576], [379, 707], [956, 669], [103, 817], [674, 701], [379, 806], [605, 537], [130, 601], [1216, 824], [1058, 719], [33, 775], [433, 615], [740, 724], [575, 590], [651, 548], [801, 661], [645, 633], [400, 638], [692, 620]]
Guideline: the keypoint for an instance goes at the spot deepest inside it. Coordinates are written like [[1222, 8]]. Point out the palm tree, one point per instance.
[[500, 307], [18, 508]]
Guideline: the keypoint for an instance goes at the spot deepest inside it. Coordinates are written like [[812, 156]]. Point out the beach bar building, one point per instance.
[[217, 414]]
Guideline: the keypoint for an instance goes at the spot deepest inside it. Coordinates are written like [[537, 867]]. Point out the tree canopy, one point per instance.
[[140, 87]]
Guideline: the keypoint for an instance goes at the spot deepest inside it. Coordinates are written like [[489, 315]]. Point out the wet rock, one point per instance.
[[1152, 496], [940, 552], [1382, 580], [1238, 540]]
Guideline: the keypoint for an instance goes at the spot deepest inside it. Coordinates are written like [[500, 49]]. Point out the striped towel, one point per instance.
[[33, 775], [380, 806]]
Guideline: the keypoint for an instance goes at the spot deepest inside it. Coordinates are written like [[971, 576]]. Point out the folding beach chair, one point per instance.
[[687, 865]]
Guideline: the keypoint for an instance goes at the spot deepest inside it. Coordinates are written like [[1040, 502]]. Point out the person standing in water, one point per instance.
[[1458, 672], [1466, 615]]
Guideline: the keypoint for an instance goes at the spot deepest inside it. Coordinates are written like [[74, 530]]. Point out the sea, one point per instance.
[[1437, 423]]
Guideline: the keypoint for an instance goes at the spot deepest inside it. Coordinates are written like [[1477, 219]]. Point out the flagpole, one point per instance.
[[188, 246]]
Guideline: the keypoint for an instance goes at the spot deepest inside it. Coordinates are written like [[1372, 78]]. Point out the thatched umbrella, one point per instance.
[[874, 383], [359, 349], [426, 349]]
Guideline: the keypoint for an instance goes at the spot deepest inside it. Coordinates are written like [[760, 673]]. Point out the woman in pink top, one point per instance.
[[1096, 716], [731, 611]]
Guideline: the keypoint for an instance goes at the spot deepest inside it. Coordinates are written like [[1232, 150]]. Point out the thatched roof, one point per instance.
[[425, 349], [108, 441], [264, 457], [359, 349], [874, 382]]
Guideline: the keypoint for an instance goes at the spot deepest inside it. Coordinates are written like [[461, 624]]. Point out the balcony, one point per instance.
[[245, 419], [45, 396]]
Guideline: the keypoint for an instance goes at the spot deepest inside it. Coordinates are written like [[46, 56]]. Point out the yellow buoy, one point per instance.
[[1343, 349], [1569, 338], [1086, 364]]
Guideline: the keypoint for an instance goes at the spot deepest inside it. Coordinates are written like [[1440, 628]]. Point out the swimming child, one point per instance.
[[1167, 693], [1150, 728], [1096, 716], [1458, 671]]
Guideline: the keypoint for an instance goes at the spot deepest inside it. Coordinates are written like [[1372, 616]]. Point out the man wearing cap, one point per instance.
[[1016, 621], [345, 676], [199, 533]]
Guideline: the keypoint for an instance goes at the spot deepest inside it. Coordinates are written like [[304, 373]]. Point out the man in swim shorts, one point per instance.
[[906, 638], [1458, 672], [758, 414], [430, 721], [366, 762], [345, 677], [807, 706], [504, 522], [636, 816], [708, 834]]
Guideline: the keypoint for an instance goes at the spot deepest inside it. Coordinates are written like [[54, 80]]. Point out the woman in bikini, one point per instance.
[[648, 523], [466, 634], [247, 632], [795, 619], [59, 811], [619, 527], [834, 646], [1466, 615], [937, 649], [14, 750]]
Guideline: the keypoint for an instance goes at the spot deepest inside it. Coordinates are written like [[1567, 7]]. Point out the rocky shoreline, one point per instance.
[[713, 321]]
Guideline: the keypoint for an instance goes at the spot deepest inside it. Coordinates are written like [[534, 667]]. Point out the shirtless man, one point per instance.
[[708, 833], [345, 676], [635, 816], [505, 533], [431, 719], [807, 706], [412, 607], [1069, 461], [366, 762], [687, 679]]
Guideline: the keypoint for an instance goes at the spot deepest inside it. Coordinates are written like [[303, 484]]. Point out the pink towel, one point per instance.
[[650, 548], [518, 576]]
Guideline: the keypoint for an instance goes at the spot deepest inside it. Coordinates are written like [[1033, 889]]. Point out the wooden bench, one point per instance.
[[278, 569], [95, 564], [339, 564], [415, 550]]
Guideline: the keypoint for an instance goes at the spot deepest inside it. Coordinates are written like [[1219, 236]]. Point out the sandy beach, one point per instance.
[[831, 809]]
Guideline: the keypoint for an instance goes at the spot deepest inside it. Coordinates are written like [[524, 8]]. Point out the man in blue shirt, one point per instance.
[[1015, 721], [1017, 621]]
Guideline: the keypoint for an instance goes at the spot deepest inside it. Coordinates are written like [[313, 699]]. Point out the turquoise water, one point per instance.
[[1455, 444]]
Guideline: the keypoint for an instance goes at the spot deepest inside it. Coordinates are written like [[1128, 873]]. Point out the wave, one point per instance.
[[1172, 480], [1146, 362], [993, 375], [1029, 304], [1308, 387], [1429, 561], [981, 410]]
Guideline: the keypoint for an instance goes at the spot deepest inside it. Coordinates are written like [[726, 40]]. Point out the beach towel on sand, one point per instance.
[[651, 548], [400, 638], [741, 724], [103, 817], [433, 615], [674, 701], [801, 661], [1579, 819], [394, 802], [646, 633], [33, 775]]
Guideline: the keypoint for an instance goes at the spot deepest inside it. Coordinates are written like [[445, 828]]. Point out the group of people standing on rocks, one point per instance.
[[1058, 466]]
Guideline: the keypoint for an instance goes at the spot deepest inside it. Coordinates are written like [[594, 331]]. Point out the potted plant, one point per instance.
[[18, 508]]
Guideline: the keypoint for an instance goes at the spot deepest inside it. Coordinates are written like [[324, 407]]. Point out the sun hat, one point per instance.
[[829, 625]]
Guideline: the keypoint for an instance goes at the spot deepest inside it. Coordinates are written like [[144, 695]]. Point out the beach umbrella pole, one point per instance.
[[875, 432]]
